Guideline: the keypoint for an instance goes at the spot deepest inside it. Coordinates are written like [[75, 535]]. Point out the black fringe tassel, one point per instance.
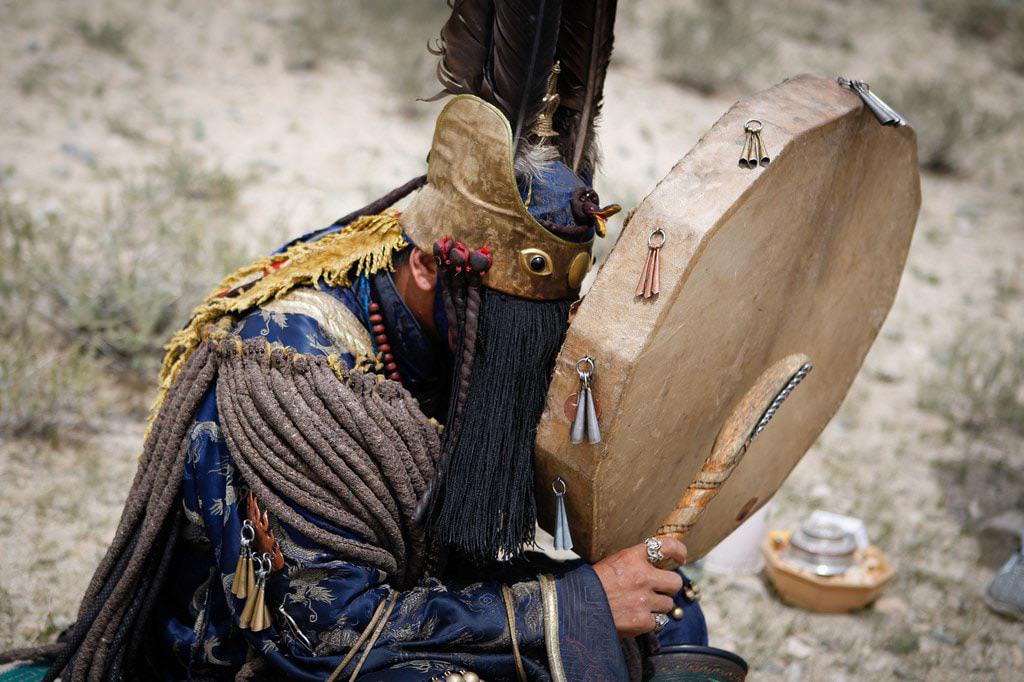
[[483, 506]]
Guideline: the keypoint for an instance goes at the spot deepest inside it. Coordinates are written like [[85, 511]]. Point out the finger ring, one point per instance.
[[654, 554], [660, 621]]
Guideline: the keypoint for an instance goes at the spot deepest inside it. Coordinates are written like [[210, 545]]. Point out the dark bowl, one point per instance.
[[690, 663]]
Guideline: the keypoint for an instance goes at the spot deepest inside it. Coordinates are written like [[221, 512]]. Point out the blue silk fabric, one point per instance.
[[320, 604]]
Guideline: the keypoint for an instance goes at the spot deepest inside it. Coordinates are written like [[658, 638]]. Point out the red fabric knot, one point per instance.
[[458, 256], [481, 260]]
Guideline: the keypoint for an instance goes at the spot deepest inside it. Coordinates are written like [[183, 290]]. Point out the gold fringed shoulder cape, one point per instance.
[[365, 246]]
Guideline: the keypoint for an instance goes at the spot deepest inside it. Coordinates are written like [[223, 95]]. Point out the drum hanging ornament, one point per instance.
[[885, 114], [585, 424], [650, 279], [754, 151], [563, 536]]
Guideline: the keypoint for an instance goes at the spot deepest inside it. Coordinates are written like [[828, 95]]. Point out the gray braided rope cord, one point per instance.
[[344, 431]]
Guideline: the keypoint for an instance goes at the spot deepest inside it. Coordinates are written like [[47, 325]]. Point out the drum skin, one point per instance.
[[802, 256]]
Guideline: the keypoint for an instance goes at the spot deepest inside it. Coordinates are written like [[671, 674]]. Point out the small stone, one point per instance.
[[52, 208], [890, 606], [749, 584], [794, 673], [902, 672], [940, 635], [303, 62], [887, 376], [770, 668], [798, 648], [61, 171], [86, 156], [821, 491]]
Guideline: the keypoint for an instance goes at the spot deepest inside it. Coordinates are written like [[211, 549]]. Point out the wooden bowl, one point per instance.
[[852, 590]]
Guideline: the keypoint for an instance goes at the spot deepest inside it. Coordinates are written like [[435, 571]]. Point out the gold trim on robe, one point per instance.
[[336, 321], [549, 595]]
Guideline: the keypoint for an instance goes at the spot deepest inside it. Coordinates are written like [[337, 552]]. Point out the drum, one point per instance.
[[765, 271]]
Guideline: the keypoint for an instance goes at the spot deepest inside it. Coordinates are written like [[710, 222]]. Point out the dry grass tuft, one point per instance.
[[390, 35], [951, 126], [108, 35], [43, 384], [709, 47], [90, 292], [981, 384], [939, 112], [997, 24], [35, 78]]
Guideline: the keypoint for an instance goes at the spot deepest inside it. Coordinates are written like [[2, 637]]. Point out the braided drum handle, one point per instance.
[[747, 421]]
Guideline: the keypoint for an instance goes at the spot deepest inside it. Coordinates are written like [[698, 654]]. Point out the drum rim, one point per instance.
[[705, 650]]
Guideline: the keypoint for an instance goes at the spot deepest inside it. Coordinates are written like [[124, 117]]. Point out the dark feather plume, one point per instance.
[[584, 50], [523, 51], [501, 51], [465, 46]]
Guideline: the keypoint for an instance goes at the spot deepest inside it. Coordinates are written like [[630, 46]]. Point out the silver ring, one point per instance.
[[586, 361], [660, 621], [266, 565], [659, 231], [654, 554]]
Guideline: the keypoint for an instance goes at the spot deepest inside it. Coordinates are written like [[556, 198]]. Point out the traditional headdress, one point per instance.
[[510, 213]]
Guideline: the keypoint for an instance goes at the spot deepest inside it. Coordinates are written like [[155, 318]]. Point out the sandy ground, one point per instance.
[[220, 81]]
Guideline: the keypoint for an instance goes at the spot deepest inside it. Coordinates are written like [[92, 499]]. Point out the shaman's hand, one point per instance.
[[637, 590]]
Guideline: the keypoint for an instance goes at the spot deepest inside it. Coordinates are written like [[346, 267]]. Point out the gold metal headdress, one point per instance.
[[472, 197]]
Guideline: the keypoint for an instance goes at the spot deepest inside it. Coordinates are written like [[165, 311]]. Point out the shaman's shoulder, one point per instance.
[[319, 321]]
